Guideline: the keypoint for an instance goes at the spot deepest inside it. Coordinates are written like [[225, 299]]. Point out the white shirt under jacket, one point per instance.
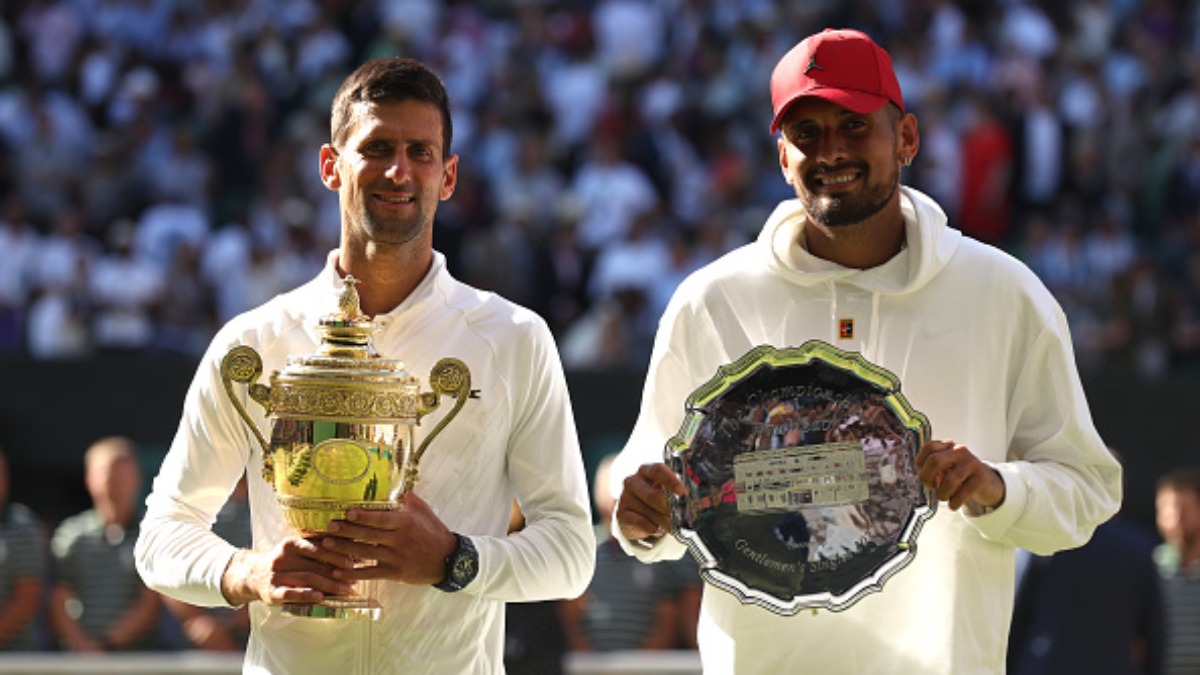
[[982, 349], [516, 440]]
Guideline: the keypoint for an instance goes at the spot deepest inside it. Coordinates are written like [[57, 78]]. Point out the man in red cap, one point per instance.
[[872, 267]]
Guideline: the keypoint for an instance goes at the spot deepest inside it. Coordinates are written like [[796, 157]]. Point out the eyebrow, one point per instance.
[[380, 135]]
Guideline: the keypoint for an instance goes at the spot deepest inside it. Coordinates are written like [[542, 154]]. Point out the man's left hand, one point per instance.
[[959, 477], [409, 544]]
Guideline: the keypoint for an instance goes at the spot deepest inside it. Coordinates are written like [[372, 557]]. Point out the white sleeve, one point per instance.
[[1061, 480], [554, 555], [669, 381], [177, 553]]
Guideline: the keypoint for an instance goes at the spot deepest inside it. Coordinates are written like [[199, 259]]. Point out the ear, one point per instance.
[[329, 167], [784, 160], [449, 177], [909, 138]]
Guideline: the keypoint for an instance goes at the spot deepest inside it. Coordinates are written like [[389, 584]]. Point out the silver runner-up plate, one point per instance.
[[801, 476]]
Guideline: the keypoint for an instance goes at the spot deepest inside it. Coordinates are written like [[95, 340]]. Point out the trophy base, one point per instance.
[[340, 607]]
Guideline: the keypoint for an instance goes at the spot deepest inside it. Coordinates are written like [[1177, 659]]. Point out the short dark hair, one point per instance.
[[1181, 480], [389, 79]]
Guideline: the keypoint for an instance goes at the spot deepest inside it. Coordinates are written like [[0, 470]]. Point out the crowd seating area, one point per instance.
[[159, 168]]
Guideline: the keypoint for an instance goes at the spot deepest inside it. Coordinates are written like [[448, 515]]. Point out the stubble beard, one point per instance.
[[389, 231], [836, 210]]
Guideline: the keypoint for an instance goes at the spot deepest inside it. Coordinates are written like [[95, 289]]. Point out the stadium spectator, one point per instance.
[[1177, 506], [99, 602], [23, 566]]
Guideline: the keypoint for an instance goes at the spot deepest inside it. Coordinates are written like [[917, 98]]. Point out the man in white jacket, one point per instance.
[[979, 344], [444, 562]]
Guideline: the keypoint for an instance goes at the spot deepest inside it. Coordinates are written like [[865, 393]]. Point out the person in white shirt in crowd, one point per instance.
[[611, 193], [124, 292]]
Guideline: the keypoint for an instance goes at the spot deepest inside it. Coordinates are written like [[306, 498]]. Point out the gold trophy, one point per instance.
[[342, 423]]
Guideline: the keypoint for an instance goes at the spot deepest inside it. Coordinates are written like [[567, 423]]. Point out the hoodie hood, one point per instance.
[[929, 244]]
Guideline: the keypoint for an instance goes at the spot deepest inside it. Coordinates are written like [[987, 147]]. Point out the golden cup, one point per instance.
[[342, 426]]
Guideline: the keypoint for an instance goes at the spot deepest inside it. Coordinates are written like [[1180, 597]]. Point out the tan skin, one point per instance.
[[390, 174], [839, 162]]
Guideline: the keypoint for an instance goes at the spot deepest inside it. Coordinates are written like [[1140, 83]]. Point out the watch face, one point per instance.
[[463, 565], [464, 569]]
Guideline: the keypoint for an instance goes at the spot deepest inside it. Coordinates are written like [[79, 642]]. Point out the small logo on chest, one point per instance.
[[846, 329]]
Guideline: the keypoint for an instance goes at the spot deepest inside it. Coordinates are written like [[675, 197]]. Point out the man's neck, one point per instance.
[[386, 277], [860, 245]]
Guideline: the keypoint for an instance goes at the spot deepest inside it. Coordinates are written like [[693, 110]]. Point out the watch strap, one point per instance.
[[462, 565]]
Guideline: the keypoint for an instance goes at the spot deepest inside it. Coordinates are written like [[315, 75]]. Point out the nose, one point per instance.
[[831, 148], [398, 169]]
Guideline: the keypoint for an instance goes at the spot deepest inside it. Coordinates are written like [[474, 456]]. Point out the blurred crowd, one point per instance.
[[160, 156]]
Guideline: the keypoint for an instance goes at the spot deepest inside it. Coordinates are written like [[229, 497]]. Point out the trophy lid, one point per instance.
[[345, 377], [346, 338]]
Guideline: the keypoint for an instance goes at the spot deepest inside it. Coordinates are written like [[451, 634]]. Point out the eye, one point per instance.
[[420, 151], [376, 149], [803, 132], [855, 124]]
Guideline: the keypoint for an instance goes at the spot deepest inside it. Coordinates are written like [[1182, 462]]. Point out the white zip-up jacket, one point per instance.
[[982, 349], [517, 439]]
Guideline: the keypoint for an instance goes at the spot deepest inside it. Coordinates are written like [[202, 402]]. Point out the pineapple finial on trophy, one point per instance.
[[348, 302], [346, 333]]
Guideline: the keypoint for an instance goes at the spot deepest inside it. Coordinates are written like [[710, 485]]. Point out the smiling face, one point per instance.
[[390, 172], [844, 166]]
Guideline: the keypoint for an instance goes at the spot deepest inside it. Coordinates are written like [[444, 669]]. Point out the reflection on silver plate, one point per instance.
[[800, 466]]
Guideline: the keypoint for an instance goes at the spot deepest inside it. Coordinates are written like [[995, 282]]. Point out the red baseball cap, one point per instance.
[[839, 65]]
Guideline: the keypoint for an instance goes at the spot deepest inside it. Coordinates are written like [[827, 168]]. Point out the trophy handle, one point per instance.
[[448, 377], [243, 364]]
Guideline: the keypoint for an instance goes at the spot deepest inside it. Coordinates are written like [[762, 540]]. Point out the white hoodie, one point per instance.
[[982, 349]]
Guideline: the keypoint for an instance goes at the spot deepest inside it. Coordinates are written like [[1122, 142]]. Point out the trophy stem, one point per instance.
[[351, 606], [324, 611]]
